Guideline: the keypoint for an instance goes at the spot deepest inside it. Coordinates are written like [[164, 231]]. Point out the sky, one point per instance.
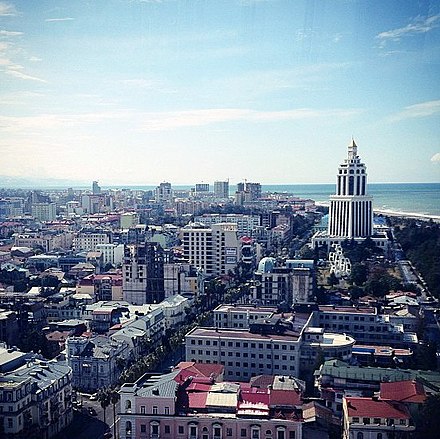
[[144, 91]]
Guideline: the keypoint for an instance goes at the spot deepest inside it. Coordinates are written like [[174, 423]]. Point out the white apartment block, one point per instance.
[[111, 253], [247, 225], [215, 250], [44, 211], [90, 240]]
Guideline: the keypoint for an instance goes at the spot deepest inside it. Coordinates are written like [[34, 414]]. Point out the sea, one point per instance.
[[394, 198], [404, 198]]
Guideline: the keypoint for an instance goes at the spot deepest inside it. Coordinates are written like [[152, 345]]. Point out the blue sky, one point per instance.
[[142, 91]]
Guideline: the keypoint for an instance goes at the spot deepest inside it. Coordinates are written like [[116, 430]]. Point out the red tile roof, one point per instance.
[[403, 391], [373, 408], [285, 398], [197, 400]]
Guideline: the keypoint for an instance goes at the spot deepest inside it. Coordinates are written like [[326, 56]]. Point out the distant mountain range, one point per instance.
[[37, 183]]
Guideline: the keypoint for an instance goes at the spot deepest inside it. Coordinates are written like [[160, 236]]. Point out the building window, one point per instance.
[[360, 435], [154, 409], [142, 410], [167, 429], [128, 427], [243, 432], [281, 433], [167, 410], [180, 429], [292, 435]]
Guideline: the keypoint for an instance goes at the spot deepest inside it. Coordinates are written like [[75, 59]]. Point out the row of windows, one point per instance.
[[355, 318], [242, 354], [193, 430], [239, 344]]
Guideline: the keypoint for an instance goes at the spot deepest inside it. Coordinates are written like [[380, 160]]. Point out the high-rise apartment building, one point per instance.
[[96, 189], [202, 187], [221, 189], [215, 250], [142, 271], [44, 211], [164, 193]]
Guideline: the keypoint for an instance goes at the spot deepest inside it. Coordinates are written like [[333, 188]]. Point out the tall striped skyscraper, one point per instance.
[[351, 210]]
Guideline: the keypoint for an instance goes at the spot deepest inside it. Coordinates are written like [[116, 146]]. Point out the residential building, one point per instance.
[[128, 220], [182, 278], [9, 330], [270, 346], [221, 189], [143, 274], [164, 193], [101, 287], [35, 396], [215, 250], [365, 325], [111, 254], [372, 418], [44, 211], [247, 225], [176, 406], [90, 239], [95, 361], [202, 188], [289, 284], [11, 207], [336, 379]]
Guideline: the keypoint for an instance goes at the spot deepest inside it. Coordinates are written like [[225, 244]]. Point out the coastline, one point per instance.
[[395, 213]]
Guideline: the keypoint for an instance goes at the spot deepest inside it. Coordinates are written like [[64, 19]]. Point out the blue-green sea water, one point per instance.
[[420, 198]]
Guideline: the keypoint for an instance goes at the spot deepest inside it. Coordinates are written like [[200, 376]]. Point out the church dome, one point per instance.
[[266, 265]]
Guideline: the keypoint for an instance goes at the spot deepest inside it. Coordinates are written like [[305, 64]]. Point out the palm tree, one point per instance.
[[104, 399], [114, 398]]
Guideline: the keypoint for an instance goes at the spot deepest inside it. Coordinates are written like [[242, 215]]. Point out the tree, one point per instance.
[[359, 274], [332, 279], [104, 400], [114, 398], [428, 420]]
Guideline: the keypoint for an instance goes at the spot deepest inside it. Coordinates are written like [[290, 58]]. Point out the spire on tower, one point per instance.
[[352, 149]]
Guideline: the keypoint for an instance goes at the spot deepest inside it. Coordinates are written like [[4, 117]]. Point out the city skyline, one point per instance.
[[135, 92]]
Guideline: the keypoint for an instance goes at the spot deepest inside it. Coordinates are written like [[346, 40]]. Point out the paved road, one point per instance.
[[85, 426]]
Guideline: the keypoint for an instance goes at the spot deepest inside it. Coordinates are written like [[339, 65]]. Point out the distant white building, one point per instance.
[[44, 211], [111, 253]]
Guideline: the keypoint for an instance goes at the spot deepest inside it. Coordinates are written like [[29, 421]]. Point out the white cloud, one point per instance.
[[424, 109], [436, 158], [165, 121], [35, 59], [21, 75], [59, 19], [10, 67], [419, 25], [8, 33], [7, 9]]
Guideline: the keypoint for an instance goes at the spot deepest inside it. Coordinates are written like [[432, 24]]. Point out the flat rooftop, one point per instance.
[[232, 333]]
